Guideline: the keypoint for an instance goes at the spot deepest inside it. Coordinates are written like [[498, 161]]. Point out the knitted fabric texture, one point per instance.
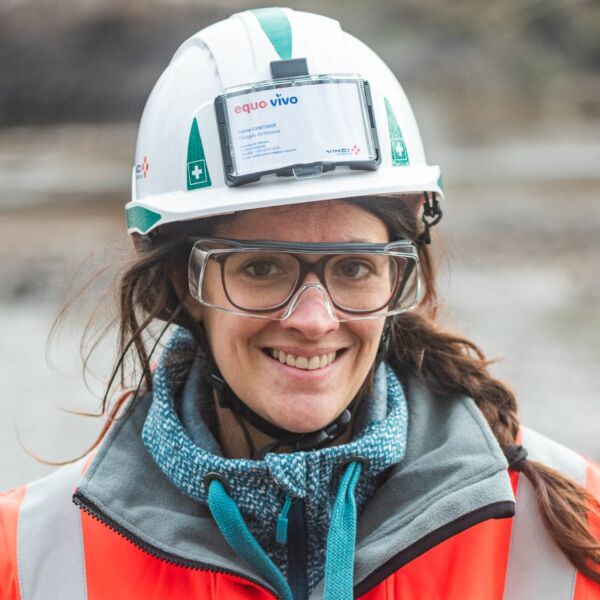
[[259, 487]]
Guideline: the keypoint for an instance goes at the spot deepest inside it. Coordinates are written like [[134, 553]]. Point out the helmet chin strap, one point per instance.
[[283, 437]]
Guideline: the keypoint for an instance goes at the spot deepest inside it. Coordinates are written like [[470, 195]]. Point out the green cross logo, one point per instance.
[[197, 174], [398, 147], [197, 170]]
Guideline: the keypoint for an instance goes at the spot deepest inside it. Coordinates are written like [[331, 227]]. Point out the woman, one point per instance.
[[304, 434]]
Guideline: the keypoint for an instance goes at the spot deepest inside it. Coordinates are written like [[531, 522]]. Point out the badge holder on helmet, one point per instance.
[[294, 126]]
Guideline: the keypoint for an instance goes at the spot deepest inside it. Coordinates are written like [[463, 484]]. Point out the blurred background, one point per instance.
[[507, 95]]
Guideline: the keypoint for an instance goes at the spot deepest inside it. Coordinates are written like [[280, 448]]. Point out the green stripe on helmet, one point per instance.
[[276, 26], [142, 218], [398, 147], [197, 169]]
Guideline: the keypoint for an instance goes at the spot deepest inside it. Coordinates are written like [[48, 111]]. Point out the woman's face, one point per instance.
[[291, 397]]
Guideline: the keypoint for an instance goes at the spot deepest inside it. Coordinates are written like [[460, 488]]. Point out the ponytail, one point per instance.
[[451, 364]]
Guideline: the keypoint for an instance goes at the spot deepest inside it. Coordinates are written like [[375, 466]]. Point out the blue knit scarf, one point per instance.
[[186, 453]]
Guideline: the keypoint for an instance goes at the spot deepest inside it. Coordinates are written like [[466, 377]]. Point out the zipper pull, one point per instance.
[[281, 532]]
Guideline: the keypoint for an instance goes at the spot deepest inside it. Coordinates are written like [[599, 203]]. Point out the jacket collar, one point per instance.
[[453, 476]]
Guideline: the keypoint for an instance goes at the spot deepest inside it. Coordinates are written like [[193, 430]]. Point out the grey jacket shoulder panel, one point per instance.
[[451, 453], [125, 485]]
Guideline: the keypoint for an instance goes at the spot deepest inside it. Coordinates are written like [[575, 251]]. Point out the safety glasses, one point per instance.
[[267, 279]]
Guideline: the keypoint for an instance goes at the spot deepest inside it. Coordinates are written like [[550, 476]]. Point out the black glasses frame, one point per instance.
[[400, 249]]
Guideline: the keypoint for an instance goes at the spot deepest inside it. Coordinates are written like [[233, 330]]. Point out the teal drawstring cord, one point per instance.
[[341, 539], [230, 522], [281, 532]]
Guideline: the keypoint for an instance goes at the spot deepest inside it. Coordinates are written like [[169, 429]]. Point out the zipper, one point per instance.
[[297, 550], [87, 506]]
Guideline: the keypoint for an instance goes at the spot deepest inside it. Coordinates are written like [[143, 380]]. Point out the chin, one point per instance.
[[304, 422]]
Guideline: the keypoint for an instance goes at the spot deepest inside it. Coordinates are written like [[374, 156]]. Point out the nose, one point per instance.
[[310, 312]]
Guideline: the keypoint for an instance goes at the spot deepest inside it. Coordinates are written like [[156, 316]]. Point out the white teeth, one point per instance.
[[313, 363], [303, 362]]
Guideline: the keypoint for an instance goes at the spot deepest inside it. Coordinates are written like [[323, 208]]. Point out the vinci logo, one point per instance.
[[338, 150], [279, 100], [141, 169], [344, 150]]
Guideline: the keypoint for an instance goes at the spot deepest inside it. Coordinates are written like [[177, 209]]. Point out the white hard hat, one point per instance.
[[272, 107]]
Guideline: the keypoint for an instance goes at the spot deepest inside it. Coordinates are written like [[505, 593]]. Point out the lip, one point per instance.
[[308, 352], [304, 375]]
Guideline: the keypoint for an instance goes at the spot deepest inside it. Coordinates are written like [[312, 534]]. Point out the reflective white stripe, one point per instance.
[[49, 539], [537, 569]]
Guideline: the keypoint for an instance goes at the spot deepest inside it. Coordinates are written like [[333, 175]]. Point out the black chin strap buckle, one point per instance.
[[432, 215], [325, 435]]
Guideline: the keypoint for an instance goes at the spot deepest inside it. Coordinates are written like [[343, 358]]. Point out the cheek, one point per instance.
[[229, 337], [369, 334], [216, 330]]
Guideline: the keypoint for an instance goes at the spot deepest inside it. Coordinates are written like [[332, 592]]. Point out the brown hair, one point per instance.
[[448, 363]]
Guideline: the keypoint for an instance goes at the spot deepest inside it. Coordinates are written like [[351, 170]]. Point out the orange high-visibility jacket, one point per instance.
[[444, 525]]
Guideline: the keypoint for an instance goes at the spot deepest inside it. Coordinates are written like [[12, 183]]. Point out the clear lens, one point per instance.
[[360, 285], [361, 282], [259, 280]]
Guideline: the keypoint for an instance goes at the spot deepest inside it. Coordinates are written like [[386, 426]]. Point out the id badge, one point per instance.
[[300, 127]]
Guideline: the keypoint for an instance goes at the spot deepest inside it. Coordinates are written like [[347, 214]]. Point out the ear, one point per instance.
[[178, 278]]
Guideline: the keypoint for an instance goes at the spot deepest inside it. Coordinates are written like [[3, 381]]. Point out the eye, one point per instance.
[[353, 269], [261, 268]]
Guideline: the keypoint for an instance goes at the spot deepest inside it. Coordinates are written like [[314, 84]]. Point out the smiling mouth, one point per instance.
[[304, 362]]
